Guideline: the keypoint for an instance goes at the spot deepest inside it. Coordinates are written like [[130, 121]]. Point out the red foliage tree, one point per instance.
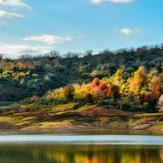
[[96, 82], [158, 89]]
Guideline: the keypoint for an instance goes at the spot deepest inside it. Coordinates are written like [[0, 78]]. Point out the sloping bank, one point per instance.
[[65, 118]]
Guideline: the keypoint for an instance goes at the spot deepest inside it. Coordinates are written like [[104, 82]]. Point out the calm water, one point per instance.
[[81, 149]]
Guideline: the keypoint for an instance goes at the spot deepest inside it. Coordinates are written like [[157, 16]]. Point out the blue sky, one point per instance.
[[39, 26]]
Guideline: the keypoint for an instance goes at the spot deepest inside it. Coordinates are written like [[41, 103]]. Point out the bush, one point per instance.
[[68, 92], [125, 107], [103, 102], [113, 92], [89, 98]]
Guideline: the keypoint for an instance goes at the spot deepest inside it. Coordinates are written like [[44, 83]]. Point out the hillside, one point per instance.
[[28, 76], [66, 118], [120, 90]]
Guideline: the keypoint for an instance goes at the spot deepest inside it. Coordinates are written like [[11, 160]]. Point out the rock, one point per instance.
[[160, 103]]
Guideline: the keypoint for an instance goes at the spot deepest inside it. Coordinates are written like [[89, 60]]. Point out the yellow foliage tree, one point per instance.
[[138, 80]]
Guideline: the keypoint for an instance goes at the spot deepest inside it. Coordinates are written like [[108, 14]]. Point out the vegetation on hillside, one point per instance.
[[139, 91], [91, 92], [29, 76]]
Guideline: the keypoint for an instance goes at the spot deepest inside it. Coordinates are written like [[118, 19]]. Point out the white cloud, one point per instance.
[[112, 1], [14, 51], [49, 42], [5, 14], [14, 3], [128, 31], [49, 39]]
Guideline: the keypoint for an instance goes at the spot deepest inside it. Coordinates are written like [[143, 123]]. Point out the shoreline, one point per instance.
[[84, 130]]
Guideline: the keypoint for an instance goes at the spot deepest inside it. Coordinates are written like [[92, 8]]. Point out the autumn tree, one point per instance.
[[113, 91], [138, 80]]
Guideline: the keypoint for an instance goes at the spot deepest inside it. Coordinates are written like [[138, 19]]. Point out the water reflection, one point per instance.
[[80, 154]]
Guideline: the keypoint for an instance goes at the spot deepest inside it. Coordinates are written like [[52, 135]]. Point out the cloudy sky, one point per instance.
[[40, 26]]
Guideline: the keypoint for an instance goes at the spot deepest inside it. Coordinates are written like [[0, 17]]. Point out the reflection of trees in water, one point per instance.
[[161, 154], [80, 154]]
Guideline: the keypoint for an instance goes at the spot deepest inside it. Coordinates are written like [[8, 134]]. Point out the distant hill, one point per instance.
[[28, 76]]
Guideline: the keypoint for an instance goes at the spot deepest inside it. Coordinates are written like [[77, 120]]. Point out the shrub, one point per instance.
[[55, 95], [148, 98], [80, 91], [125, 107], [69, 92], [89, 98], [113, 91], [34, 99], [102, 90]]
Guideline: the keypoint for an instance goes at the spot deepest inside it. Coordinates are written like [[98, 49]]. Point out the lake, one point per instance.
[[84, 148]]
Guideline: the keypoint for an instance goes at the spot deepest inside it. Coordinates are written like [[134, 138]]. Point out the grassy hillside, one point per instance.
[[66, 118]]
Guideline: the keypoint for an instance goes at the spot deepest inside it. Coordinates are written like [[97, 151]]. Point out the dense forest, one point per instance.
[[34, 76]]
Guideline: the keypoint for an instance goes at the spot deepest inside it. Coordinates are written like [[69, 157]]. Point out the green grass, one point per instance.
[[147, 115]]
